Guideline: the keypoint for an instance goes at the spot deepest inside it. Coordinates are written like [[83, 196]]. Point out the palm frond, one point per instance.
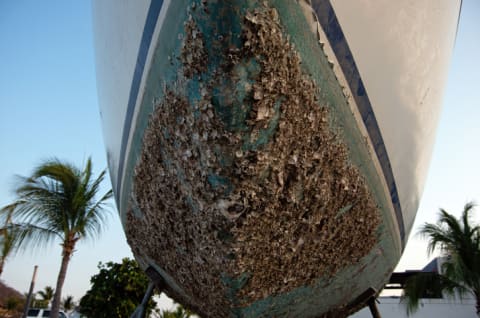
[[96, 216], [41, 213], [466, 217], [63, 173], [7, 243], [427, 285], [57, 200], [7, 211], [68, 303], [437, 236], [459, 240], [454, 268], [92, 212], [47, 293], [32, 236]]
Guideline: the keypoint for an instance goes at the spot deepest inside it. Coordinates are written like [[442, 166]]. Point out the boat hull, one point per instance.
[[253, 173]]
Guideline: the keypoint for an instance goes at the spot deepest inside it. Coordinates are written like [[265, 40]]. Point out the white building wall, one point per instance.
[[429, 308]]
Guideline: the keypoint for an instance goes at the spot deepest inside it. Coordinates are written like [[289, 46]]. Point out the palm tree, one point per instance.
[[8, 236], [6, 244], [47, 294], [179, 312], [58, 202], [68, 303], [459, 240]]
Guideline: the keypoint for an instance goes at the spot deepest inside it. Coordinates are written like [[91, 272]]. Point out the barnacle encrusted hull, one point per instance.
[[253, 190], [268, 157]]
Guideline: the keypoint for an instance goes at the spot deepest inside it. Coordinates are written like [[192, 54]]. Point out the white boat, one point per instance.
[[268, 157]]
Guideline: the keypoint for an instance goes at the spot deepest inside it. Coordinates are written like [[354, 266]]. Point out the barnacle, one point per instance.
[[193, 55]]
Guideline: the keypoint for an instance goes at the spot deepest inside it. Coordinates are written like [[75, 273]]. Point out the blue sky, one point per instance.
[[48, 107], [454, 174]]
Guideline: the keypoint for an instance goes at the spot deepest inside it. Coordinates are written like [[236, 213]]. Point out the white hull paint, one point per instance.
[[402, 50]]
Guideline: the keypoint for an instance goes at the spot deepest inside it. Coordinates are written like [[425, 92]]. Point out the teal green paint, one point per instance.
[[234, 115], [223, 33], [166, 133], [231, 98], [225, 159], [193, 92], [264, 135], [192, 204], [219, 182], [234, 285], [344, 210]]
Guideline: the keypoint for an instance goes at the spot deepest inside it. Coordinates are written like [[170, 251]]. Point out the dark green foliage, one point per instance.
[[47, 293], [42, 298], [14, 303], [179, 312], [116, 290], [39, 303], [67, 303], [459, 241], [9, 236], [428, 285], [11, 302]]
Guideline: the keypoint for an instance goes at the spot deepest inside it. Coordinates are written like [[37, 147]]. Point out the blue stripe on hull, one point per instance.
[[329, 22], [150, 23]]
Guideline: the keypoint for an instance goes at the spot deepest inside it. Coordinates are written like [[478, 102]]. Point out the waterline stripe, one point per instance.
[[149, 28], [329, 22]]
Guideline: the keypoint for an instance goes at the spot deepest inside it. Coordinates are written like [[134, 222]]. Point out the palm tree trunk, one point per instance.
[[2, 263], [67, 252]]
